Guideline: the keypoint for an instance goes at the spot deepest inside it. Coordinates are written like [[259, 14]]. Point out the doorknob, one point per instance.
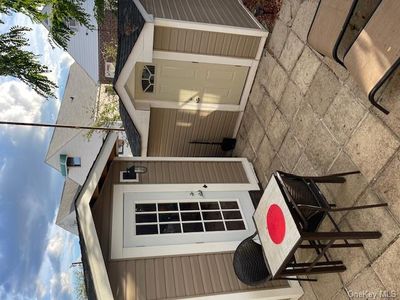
[[197, 99]]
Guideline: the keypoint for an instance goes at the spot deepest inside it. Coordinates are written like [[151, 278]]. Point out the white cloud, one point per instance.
[[41, 290], [19, 102], [60, 284], [3, 165], [56, 245]]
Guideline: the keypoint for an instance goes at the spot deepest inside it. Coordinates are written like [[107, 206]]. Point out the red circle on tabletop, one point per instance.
[[276, 224]]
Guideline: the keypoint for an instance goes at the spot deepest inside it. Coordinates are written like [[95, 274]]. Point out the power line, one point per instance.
[[60, 126]]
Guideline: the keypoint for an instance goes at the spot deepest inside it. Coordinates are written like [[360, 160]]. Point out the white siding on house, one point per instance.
[[84, 45]]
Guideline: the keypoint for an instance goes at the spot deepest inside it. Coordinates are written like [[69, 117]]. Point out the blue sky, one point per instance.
[[35, 254]]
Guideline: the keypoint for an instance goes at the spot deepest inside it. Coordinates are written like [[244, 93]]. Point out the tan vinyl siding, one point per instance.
[[163, 277], [186, 172], [223, 12], [172, 130], [204, 42]]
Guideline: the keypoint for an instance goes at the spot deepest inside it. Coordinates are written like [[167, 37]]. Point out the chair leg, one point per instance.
[[345, 173], [358, 207], [352, 235], [322, 263], [318, 270], [332, 178], [321, 246], [296, 279]]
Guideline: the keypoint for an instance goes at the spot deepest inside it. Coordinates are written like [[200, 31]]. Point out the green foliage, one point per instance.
[[22, 64], [106, 116], [79, 284], [61, 12], [110, 51], [30, 8], [101, 6]]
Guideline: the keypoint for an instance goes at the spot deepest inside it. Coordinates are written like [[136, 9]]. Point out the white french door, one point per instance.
[[152, 219]]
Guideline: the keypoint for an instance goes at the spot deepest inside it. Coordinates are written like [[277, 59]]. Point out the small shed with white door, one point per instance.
[[185, 70]]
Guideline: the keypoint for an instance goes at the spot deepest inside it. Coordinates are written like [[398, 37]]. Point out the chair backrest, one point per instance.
[[248, 262], [376, 51], [305, 192], [328, 25]]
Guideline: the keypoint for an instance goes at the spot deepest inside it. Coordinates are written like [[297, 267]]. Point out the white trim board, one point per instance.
[[169, 158], [89, 233], [210, 27], [292, 292], [201, 58]]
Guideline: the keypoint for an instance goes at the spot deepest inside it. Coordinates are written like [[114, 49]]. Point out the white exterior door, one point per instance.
[[178, 218], [180, 81]]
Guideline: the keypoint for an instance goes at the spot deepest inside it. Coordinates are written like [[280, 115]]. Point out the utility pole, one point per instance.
[[60, 126]]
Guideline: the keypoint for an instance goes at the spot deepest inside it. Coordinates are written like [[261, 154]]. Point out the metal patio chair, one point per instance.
[[375, 54], [311, 206], [337, 24], [328, 26]]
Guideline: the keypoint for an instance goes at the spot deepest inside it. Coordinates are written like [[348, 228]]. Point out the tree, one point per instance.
[[61, 12], [22, 64], [79, 283], [106, 113]]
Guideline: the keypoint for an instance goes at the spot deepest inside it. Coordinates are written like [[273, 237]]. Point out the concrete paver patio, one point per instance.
[[306, 115]]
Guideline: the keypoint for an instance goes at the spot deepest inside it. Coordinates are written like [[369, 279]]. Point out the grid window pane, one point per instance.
[[229, 205], [146, 218], [167, 206], [214, 226], [192, 216], [189, 206], [212, 215], [145, 207], [169, 217], [193, 227], [209, 205], [235, 225], [170, 228], [232, 214], [146, 229]]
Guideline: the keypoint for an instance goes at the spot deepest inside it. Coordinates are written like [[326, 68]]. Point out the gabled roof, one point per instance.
[[77, 108], [67, 203], [132, 134], [130, 25]]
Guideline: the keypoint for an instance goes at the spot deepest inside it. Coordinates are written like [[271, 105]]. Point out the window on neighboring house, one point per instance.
[[187, 217], [72, 24], [109, 70], [148, 78], [73, 161]]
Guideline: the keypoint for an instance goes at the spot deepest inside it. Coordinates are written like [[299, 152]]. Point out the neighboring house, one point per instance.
[[168, 231], [184, 71], [71, 152], [83, 45]]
